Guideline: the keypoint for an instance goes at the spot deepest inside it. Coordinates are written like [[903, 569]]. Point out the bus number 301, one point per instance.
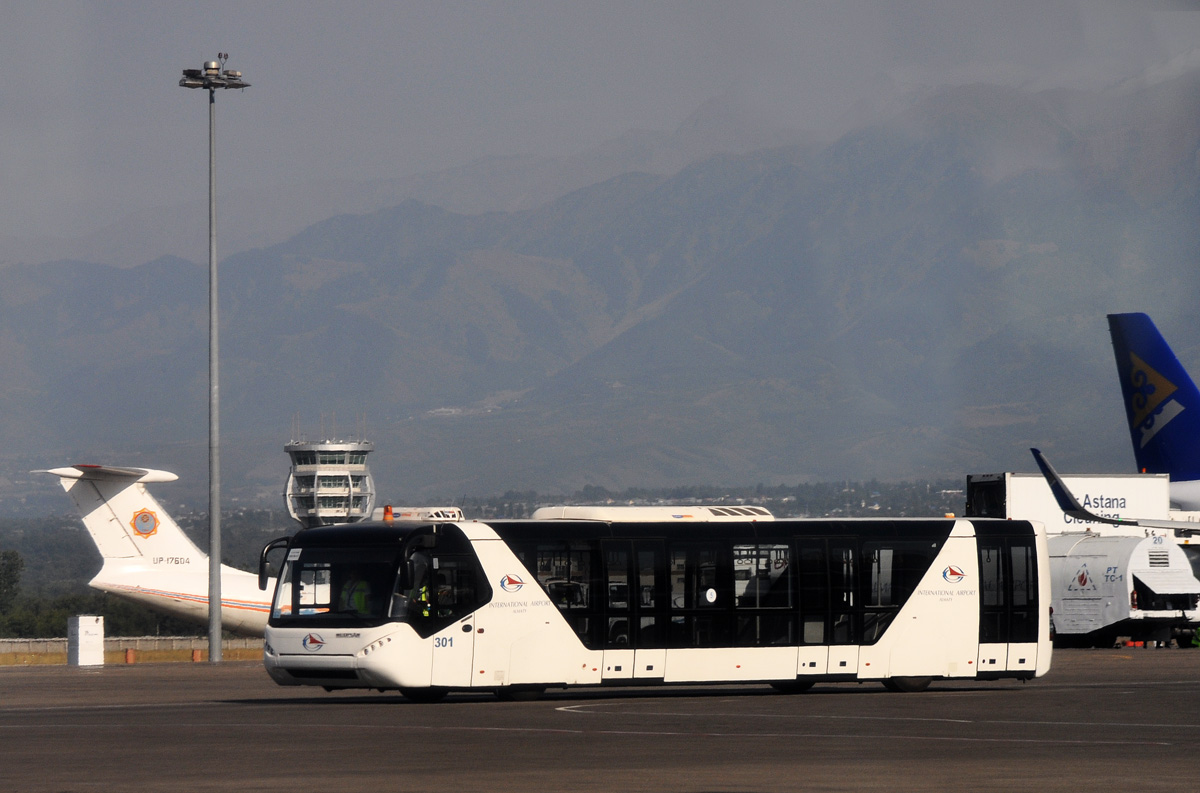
[[443, 641]]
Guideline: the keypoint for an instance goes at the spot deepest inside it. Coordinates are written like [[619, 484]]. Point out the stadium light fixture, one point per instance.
[[213, 76]]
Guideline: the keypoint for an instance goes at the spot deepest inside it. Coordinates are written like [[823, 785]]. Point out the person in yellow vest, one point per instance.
[[356, 595], [420, 601]]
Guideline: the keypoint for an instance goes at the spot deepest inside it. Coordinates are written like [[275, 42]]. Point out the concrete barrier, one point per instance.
[[130, 649]]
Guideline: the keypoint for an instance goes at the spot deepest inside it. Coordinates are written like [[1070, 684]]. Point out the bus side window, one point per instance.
[[563, 572], [437, 590], [1025, 594], [702, 586], [706, 591], [454, 591]]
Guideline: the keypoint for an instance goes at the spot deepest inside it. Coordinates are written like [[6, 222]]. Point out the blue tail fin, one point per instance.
[[1161, 401]]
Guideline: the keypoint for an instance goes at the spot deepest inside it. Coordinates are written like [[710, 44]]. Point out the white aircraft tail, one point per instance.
[[147, 557], [125, 521]]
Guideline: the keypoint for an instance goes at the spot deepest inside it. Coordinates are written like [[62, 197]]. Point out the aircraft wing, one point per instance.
[[1071, 506]]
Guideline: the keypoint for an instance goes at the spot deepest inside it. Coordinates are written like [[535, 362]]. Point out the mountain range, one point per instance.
[[922, 297]]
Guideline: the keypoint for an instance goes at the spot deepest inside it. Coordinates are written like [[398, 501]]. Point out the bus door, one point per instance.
[[993, 606], [829, 612], [1008, 605], [813, 587], [844, 612], [650, 609], [633, 608], [1026, 612], [453, 648], [617, 609], [453, 593]]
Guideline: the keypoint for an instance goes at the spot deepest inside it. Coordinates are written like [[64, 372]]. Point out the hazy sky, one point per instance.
[[93, 125]]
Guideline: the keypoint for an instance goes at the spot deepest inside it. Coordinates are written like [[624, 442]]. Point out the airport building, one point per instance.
[[329, 482]]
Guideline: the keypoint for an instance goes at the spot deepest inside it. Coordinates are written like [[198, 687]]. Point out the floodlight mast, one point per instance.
[[213, 76]]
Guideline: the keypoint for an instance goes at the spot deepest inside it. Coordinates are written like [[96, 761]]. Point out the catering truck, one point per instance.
[[1107, 580]]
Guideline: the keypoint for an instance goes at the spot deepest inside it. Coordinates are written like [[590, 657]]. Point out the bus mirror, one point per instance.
[[263, 572]]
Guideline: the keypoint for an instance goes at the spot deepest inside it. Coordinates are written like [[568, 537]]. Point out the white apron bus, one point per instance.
[[515, 607]]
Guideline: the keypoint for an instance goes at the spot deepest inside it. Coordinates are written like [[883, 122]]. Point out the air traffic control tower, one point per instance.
[[329, 482]]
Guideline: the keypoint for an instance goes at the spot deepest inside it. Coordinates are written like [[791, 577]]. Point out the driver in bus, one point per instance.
[[426, 592], [419, 601], [356, 594]]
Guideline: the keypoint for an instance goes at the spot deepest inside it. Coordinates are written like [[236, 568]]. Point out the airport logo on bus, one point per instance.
[[511, 583], [953, 574], [313, 642], [144, 523]]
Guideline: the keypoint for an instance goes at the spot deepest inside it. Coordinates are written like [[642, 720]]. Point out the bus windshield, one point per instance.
[[430, 581], [337, 585]]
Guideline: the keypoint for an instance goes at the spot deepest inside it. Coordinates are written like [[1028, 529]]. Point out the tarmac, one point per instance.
[[1101, 719]]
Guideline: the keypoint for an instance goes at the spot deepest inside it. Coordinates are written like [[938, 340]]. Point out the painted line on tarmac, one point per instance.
[[108, 706], [583, 709], [809, 735], [708, 713], [1107, 684], [590, 709]]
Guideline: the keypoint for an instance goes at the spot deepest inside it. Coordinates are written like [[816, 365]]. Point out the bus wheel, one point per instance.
[[907, 684], [519, 693], [793, 686], [424, 694]]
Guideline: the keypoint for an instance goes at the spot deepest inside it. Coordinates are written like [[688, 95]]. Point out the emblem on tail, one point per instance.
[[144, 523]]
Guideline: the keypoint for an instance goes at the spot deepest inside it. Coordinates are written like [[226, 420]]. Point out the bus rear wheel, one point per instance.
[[424, 694], [907, 684]]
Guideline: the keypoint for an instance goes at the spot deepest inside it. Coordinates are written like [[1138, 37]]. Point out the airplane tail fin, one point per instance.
[[1162, 403], [125, 521]]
